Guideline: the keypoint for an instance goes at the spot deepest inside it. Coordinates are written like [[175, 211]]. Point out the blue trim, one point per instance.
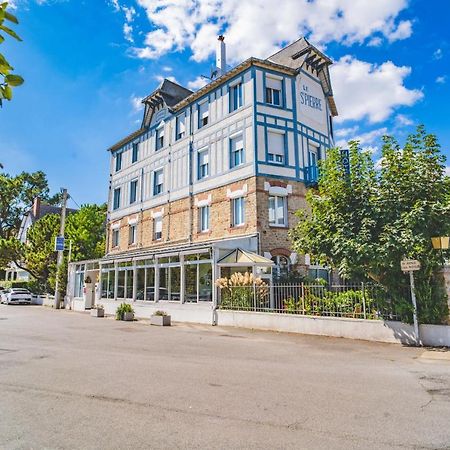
[[270, 105], [310, 76], [274, 164], [255, 123], [296, 135]]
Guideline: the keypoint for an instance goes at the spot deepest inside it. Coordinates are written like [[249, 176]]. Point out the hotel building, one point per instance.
[[210, 182]]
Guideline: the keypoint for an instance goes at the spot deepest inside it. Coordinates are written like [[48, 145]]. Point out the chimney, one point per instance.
[[221, 58], [36, 209]]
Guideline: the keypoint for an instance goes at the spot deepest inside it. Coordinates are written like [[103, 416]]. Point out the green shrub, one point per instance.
[[122, 309]]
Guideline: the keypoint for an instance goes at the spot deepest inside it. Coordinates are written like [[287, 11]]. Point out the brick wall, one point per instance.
[[275, 239], [181, 219]]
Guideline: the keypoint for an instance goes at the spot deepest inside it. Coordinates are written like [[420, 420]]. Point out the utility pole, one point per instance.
[[60, 257]]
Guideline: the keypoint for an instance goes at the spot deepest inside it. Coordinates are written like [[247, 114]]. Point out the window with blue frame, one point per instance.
[[180, 126], [237, 155], [158, 181], [203, 164], [116, 198], [276, 147], [236, 98], [133, 191], [135, 152], [313, 155], [274, 89], [160, 137], [237, 211], [203, 213], [203, 114], [118, 161]]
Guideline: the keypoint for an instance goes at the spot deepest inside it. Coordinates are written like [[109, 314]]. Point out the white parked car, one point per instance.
[[16, 296]]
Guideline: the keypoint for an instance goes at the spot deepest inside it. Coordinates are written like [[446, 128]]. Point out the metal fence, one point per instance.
[[356, 300]]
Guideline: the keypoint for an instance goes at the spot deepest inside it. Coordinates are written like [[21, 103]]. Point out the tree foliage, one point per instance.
[[85, 229], [8, 79], [365, 223], [16, 197]]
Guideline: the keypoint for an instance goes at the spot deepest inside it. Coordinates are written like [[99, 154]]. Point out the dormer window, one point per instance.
[[160, 137], [203, 114]]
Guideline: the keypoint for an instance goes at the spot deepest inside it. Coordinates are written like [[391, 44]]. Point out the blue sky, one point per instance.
[[87, 64]]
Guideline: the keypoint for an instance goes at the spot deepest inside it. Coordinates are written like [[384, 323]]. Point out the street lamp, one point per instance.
[[441, 243]]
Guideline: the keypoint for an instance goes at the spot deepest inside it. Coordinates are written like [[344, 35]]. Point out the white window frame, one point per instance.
[[115, 238], [204, 213], [277, 199], [157, 220], [237, 221], [132, 234]]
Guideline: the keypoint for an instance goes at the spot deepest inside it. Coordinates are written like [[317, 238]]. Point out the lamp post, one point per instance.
[[441, 243]]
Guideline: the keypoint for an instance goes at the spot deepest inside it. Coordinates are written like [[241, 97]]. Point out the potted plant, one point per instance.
[[98, 311], [160, 318], [125, 312]]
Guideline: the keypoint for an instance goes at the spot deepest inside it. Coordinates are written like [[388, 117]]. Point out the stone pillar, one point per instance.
[[445, 272]]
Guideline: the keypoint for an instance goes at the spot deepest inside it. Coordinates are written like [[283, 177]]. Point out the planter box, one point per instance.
[[128, 316], [97, 312], [162, 321]]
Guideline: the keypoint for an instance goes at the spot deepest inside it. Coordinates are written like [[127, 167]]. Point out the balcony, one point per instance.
[[311, 175]]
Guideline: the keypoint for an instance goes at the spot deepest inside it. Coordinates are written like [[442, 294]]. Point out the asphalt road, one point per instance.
[[69, 381]]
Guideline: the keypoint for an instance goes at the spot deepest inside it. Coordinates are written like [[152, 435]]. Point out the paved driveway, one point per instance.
[[71, 381]]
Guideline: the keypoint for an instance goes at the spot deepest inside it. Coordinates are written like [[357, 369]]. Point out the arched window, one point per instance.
[[281, 267]]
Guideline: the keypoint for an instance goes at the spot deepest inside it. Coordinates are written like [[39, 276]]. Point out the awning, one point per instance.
[[244, 258]]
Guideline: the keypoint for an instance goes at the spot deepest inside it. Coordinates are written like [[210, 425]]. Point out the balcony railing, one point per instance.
[[311, 175]]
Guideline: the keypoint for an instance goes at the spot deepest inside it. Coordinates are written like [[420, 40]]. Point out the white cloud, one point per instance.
[[136, 102], [441, 79], [129, 13], [167, 69], [438, 54], [401, 119], [161, 78], [260, 27], [196, 84], [447, 171], [343, 132], [365, 90], [365, 139], [402, 31]]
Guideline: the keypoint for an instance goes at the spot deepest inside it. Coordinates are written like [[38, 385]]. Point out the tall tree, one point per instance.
[[16, 197], [365, 223], [85, 229], [8, 79]]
